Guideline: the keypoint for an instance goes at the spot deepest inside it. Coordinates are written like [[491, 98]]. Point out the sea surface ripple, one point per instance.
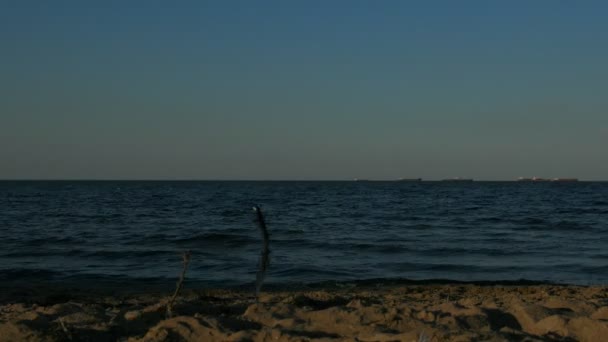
[[320, 231]]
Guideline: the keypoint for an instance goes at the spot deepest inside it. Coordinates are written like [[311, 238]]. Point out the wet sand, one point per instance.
[[368, 312]]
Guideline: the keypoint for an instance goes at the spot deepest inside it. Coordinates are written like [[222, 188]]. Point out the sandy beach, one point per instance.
[[348, 312]]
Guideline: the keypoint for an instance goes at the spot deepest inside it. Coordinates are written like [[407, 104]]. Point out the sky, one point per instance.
[[303, 90]]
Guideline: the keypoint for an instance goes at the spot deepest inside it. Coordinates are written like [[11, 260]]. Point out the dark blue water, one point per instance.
[[62, 231]]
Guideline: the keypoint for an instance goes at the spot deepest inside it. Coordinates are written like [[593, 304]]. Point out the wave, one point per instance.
[[459, 251], [462, 269], [308, 272], [83, 253], [13, 274], [214, 239], [51, 240]]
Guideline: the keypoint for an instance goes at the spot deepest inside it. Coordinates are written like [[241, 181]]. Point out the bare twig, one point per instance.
[[180, 283], [65, 329], [423, 337], [265, 254]]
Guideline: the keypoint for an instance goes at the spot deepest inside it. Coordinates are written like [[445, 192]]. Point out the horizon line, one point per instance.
[[356, 180]]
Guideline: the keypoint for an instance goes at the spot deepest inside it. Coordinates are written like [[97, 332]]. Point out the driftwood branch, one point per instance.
[[65, 329], [180, 283], [265, 254]]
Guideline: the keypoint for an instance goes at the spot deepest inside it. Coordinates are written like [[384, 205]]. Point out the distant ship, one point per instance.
[[361, 180], [457, 179], [409, 180], [538, 179], [533, 179]]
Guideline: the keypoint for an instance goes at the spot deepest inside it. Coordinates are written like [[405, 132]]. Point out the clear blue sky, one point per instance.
[[303, 89]]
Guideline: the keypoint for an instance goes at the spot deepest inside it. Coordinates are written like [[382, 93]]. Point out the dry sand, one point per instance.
[[350, 313]]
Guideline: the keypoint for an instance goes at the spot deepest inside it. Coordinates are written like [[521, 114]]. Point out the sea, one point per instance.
[[123, 232]]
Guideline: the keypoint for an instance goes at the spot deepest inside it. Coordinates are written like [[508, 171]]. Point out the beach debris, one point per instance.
[[180, 283], [67, 333], [132, 315], [423, 337], [265, 254]]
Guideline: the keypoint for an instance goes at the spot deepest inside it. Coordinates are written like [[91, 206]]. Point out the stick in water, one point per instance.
[[265, 255], [180, 283]]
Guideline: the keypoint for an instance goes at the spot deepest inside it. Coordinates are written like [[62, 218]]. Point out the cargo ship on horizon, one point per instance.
[[457, 179], [538, 179]]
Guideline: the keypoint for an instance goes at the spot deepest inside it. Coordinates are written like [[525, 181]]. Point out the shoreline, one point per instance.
[[32, 290], [369, 310]]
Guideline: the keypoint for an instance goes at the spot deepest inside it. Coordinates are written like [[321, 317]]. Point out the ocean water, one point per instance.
[[319, 231]]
